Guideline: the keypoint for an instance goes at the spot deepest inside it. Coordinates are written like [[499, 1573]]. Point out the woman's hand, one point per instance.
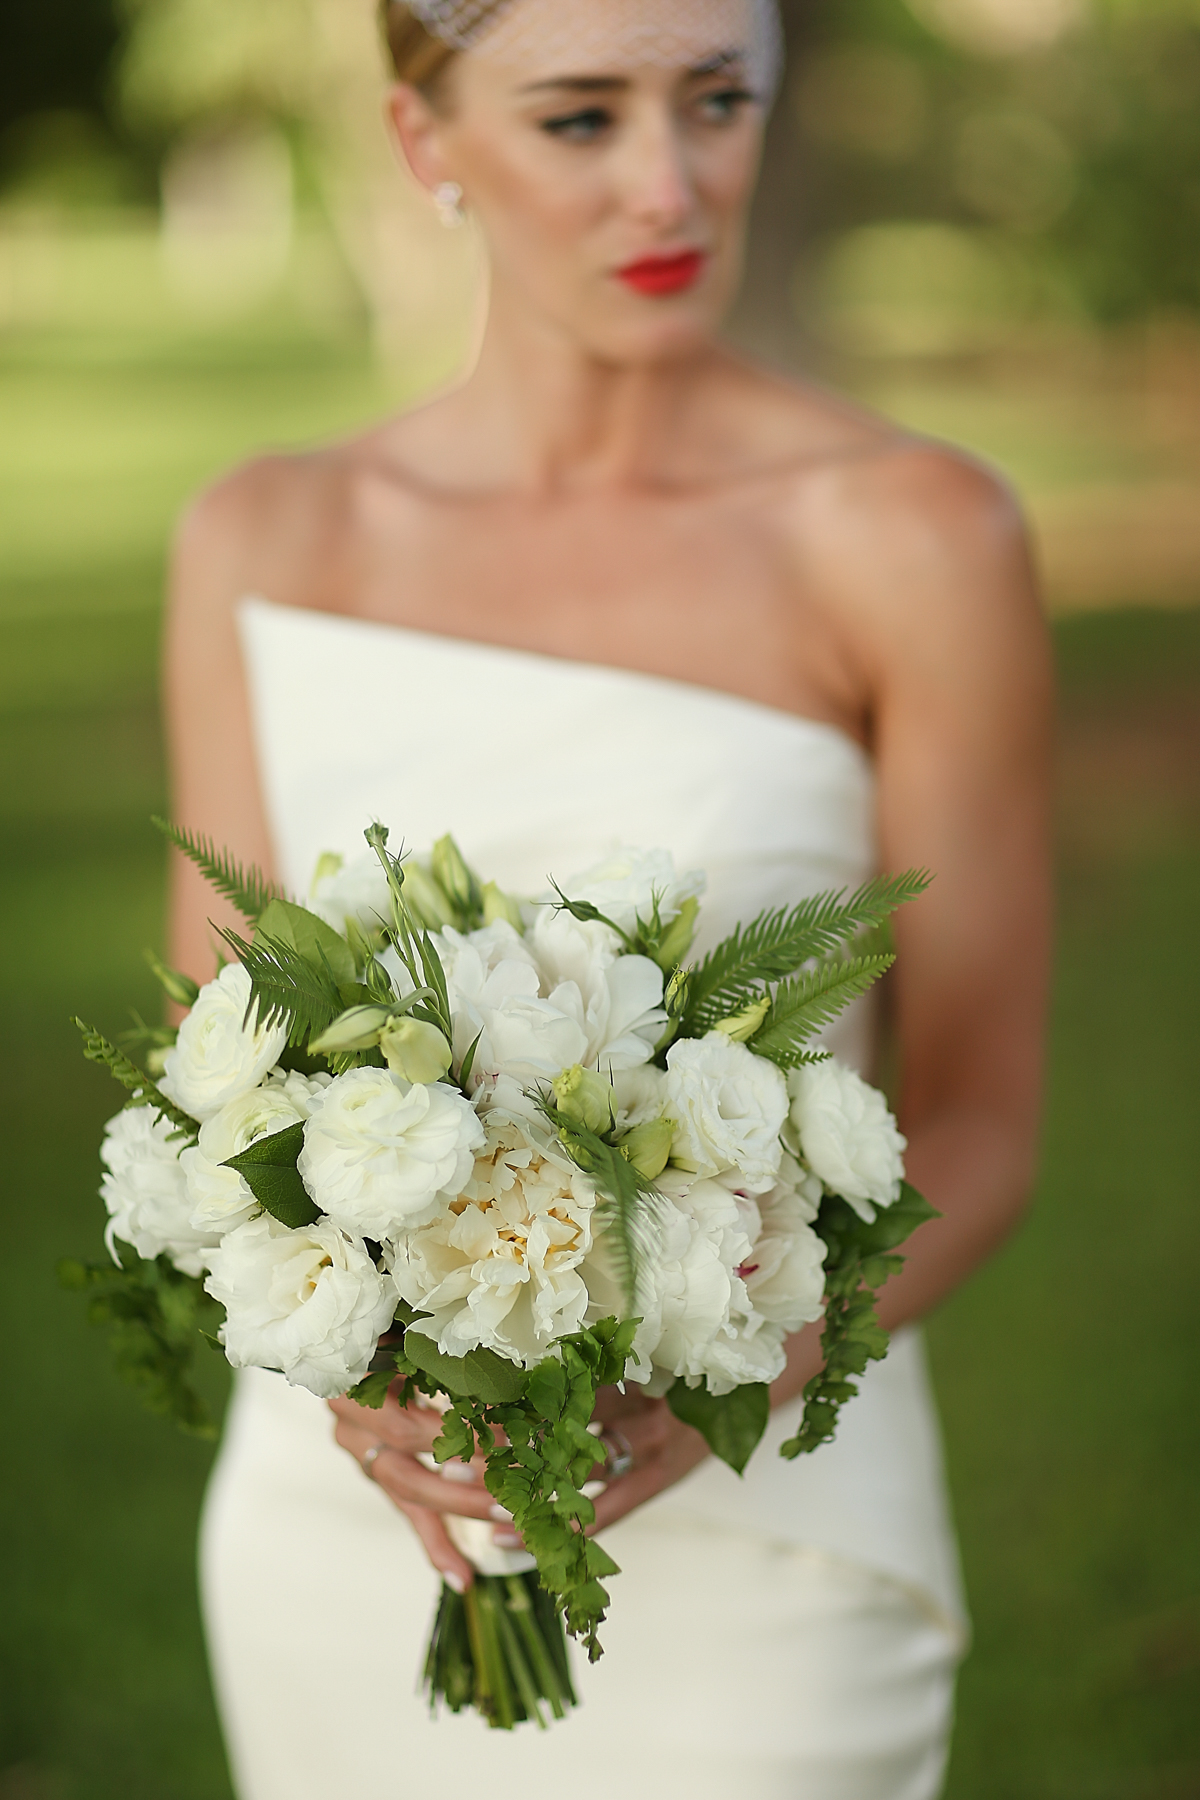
[[663, 1451]]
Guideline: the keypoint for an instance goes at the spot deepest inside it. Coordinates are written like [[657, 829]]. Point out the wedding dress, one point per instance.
[[792, 1635]]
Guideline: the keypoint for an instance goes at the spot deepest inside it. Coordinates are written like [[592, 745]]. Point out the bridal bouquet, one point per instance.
[[420, 1136]]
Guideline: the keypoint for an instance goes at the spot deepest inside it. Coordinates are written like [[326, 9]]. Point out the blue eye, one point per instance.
[[579, 127], [725, 104]]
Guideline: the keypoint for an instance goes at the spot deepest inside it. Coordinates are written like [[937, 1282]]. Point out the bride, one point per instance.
[[619, 584]]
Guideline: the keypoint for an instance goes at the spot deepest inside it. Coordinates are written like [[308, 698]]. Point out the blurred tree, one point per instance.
[[54, 54]]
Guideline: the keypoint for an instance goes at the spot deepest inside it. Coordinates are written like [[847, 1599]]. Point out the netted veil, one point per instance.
[[692, 31]]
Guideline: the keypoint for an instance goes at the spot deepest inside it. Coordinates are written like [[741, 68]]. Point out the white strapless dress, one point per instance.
[[792, 1635]]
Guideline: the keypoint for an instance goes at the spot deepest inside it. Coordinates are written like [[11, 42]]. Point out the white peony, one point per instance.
[[499, 1266], [221, 1198], [729, 1106], [623, 886], [356, 890], [847, 1136], [310, 1303], [378, 1151], [146, 1194], [219, 1053], [616, 1000]]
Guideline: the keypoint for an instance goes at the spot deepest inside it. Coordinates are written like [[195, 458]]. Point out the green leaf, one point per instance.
[[288, 987], [282, 922], [627, 1202], [730, 1424], [372, 1390], [480, 1375], [801, 1007], [247, 889], [269, 1170], [780, 941], [97, 1049]]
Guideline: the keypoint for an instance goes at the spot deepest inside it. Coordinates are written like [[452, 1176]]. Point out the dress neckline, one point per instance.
[[508, 653]]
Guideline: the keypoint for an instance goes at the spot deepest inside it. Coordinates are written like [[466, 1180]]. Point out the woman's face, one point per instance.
[[611, 190]]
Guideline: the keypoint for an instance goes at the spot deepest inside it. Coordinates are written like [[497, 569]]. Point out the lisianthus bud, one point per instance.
[[414, 1050], [499, 905], [648, 1146], [742, 1025], [450, 870], [676, 940], [585, 1098], [179, 988], [426, 898], [676, 996], [357, 1029]]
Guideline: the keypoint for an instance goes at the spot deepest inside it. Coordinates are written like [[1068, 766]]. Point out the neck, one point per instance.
[[543, 415]]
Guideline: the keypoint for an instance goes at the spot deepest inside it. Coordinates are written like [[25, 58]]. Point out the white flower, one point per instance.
[[146, 1194], [729, 1106], [623, 886], [640, 1094], [494, 988], [616, 1000], [379, 1151], [218, 1053], [847, 1136], [356, 890], [221, 1198], [783, 1270], [308, 1302], [499, 1266]]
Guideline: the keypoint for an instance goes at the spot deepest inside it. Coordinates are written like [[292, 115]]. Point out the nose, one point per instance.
[[657, 186]]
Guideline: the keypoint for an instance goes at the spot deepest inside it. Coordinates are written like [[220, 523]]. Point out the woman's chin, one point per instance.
[[664, 332]]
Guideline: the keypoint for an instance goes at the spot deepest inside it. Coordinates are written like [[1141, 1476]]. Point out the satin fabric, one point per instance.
[[795, 1632]]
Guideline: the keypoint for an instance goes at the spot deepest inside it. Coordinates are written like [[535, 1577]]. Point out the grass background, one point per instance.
[[1067, 1369]]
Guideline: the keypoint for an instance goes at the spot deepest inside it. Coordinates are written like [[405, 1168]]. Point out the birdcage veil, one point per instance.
[[685, 31]]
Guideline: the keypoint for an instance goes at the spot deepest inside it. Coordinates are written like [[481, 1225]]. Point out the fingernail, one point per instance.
[[454, 1580], [502, 1513], [458, 1471], [506, 1540]]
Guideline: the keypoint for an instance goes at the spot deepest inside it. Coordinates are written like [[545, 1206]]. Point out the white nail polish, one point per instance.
[[458, 1471], [505, 1540], [501, 1513], [453, 1580]]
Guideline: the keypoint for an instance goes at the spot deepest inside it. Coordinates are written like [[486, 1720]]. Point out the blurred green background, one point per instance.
[[981, 215]]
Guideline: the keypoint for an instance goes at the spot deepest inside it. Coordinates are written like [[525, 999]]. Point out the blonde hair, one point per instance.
[[417, 56]]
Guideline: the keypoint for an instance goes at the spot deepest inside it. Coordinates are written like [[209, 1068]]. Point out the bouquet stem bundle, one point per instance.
[[501, 1649]]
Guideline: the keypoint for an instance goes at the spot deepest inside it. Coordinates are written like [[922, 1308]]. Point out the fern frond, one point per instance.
[[97, 1049], [780, 941], [804, 1004], [287, 986], [627, 1204], [248, 889]]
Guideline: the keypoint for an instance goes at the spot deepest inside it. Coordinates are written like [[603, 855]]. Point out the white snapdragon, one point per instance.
[[616, 1000], [220, 1052], [310, 1303], [729, 1106], [378, 1151], [498, 1267], [145, 1192], [221, 1199], [624, 886], [847, 1136]]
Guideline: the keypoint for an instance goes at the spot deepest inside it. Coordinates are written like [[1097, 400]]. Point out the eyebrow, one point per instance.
[[597, 84]]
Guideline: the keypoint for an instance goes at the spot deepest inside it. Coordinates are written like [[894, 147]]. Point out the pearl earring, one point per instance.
[[447, 197]]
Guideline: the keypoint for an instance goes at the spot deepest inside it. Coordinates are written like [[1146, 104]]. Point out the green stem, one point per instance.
[[518, 1667], [548, 1677]]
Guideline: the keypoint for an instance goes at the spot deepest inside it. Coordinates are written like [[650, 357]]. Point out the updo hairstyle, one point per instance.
[[417, 56]]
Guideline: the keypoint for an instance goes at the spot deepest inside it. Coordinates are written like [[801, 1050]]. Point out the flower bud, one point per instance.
[[676, 940], [742, 1025], [648, 1146], [585, 1098], [676, 997], [179, 988], [426, 898], [450, 871], [328, 863], [499, 905], [357, 1029], [415, 1050]]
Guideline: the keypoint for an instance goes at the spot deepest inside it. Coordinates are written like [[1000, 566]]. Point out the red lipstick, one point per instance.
[[657, 275]]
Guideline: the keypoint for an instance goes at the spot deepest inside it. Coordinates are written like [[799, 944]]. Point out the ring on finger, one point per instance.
[[369, 1459], [618, 1452]]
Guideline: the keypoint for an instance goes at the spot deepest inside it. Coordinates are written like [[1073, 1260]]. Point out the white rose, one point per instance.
[[623, 886], [729, 1106], [356, 890], [146, 1194], [378, 1151], [218, 1053], [310, 1303], [617, 1000], [221, 1198], [847, 1135], [494, 988], [783, 1270], [500, 1269]]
